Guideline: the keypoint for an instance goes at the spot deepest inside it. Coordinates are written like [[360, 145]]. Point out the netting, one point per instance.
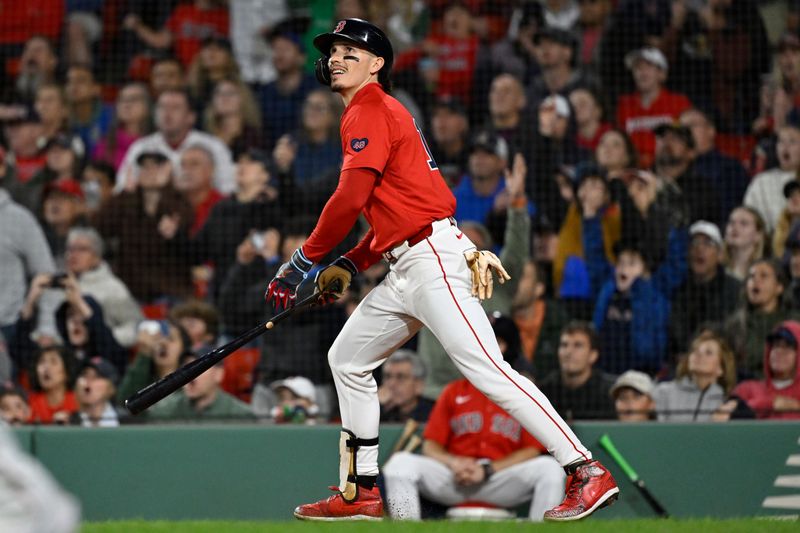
[[633, 163]]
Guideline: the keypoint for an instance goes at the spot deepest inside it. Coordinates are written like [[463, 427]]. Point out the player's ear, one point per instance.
[[377, 64]]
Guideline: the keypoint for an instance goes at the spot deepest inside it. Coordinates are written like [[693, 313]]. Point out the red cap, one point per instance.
[[70, 187]]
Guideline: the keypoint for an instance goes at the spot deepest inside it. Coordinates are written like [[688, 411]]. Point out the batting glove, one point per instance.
[[334, 279], [482, 263], [282, 290]]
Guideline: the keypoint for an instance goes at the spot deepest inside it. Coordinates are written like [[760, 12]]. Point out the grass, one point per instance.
[[593, 526]]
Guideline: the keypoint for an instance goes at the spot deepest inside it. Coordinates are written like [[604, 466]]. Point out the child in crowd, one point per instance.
[[778, 394], [51, 379], [14, 409], [94, 390], [704, 379]]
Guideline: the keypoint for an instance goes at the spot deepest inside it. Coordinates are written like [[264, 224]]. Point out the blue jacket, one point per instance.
[[650, 303]]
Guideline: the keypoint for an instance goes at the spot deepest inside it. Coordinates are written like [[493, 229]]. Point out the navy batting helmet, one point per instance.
[[365, 35]]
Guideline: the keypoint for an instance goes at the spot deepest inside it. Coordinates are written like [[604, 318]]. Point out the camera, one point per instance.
[[57, 281]]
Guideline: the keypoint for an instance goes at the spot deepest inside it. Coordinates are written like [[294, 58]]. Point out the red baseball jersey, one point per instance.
[[465, 422], [378, 133], [639, 122]]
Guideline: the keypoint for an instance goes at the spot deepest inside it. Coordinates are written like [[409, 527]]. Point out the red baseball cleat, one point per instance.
[[368, 506], [589, 488]]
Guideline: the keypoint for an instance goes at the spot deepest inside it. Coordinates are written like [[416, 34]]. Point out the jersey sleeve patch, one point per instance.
[[359, 144]]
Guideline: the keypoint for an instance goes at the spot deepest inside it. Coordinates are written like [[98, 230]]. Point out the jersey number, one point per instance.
[[431, 163]]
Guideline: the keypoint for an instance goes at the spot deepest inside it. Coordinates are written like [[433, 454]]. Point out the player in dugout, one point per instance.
[[437, 278]]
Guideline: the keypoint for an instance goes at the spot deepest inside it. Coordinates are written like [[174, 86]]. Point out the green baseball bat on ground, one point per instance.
[[608, 446]]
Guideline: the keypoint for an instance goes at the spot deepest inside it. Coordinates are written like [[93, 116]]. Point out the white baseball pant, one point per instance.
[[431, 285], [30, 499], [540, 480]]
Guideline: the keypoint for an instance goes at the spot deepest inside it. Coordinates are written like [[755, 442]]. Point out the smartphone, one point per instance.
[[57, 281], [154, 327], [257, 240]]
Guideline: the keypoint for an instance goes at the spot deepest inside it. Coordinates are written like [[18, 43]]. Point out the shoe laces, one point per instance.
[[575, 484]]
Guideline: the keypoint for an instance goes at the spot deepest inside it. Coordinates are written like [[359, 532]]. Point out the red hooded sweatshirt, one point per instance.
[[760, 395]]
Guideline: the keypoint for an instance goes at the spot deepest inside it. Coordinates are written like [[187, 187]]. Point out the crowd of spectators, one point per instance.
[[634, 163]]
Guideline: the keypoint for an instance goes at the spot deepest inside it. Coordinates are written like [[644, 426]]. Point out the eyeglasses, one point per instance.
[[78, 248], [399, 377]]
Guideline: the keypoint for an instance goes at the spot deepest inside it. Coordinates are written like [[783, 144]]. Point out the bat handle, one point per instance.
[[608, 446]]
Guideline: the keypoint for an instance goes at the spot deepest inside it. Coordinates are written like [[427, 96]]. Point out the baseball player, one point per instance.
[[473, 452], [436, 279]]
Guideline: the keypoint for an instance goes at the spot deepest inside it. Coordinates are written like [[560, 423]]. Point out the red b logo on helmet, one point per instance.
[[340, 26]]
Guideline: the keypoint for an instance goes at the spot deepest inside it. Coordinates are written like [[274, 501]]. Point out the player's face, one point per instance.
[[351, 67], [633, 406]]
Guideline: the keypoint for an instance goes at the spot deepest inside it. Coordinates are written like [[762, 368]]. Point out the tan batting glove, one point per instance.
[[482, 263], [335, 278]]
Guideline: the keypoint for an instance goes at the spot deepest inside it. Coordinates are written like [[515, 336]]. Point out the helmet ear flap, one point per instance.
[[322, 70]]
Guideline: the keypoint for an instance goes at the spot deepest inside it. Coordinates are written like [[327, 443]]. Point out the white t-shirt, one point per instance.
[[224, 169]]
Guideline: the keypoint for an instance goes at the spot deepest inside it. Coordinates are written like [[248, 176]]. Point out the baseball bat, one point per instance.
[[608, 446], [165, 386], [413, 443], [409, 429]]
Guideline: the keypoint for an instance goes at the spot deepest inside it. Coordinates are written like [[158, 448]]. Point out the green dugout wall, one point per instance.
[[263, 472]]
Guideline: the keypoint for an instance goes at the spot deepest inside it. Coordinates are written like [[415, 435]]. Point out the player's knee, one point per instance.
[[401, 465]]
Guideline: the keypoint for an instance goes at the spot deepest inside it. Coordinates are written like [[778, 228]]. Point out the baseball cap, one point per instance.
[[782, 333], [217, 40], [651, 54], [67, 142], [103, 368], [258, 156], [68, 187], [683, 132], [152, 155], [586, 170], [790, 187], [559, 103], [9, 388], [451, 103], [633, 379], [299, 385], [491, 143], [787, 41], [709, 229], [556, 35], [23, 114]]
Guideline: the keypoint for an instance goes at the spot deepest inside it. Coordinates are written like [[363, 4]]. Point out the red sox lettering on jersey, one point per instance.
[[468, 423]]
